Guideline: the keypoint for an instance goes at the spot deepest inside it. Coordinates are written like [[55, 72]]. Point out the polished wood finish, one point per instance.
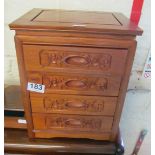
[[72, 122], [73, 104], [77, 84], [16, 141], [23, 85], [123, 89], [76, 21], [84, 60], [92, 60], [55, 125]]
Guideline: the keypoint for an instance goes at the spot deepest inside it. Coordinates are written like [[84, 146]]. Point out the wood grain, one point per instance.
[[73, 104], [77, 84], [13, 122], [123, 89], [72, 16], [104, 136], [82, 56], [23, 84], [116, 24], [75, 59], [17, 141], [72, 122], [55, 125]]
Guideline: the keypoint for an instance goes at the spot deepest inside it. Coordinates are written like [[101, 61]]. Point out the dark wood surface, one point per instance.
[[17, 141], [42, 35], [12, 98], [13, 108], [77, 21]]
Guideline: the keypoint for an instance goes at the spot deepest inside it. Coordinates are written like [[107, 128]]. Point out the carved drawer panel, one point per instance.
[[72, 104], [77, 84], [76, 59], [72, 122]]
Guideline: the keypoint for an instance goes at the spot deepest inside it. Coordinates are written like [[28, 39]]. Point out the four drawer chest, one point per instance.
[[84, 59]]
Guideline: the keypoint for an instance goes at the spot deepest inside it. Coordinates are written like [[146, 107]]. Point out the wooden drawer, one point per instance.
[[72, 104], [76, 59], [77, 84], [76, 123]]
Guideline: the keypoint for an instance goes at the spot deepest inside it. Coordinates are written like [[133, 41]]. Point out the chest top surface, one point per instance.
[[81, 21]]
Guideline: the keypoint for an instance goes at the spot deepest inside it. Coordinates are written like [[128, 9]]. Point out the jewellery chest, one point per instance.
[[84, 59]]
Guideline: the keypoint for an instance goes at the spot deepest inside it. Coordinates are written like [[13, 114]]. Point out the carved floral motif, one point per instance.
[[79, 83], [74, 104], [67, 122], [87, 60]]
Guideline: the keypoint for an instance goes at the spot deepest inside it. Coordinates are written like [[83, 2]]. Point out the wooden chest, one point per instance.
[[84, 59]]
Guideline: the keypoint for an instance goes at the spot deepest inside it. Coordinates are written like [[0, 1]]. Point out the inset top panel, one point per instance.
[[76, 17], [81, 21]]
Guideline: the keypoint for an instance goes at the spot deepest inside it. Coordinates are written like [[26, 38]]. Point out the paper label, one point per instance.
[[39, 88], [22, 121]]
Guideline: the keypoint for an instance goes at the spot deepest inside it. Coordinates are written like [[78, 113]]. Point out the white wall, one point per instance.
[[136, 117], [15, 8]]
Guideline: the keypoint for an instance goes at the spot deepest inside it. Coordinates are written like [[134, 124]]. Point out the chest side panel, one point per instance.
[[63, 78]]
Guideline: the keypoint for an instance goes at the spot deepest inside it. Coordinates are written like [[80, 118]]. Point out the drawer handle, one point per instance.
[[72, 104], [76, 60], [75, 84], [73, 122]]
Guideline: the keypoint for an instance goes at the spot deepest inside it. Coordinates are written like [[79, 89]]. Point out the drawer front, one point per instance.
[[77, 84], [48, 58], [72, 104], [72, 122]]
